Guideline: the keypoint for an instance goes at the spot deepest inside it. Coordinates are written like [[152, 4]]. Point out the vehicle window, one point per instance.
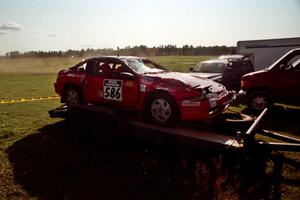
[[152, 64], [140, 67], [242, 66], [90, 67], [210, 67], [294, 63], [103, 67], [108, 67], [82, 68]]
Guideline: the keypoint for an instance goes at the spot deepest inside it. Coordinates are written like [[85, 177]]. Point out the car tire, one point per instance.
[[73, 96], [162, 109], [231, 123], [258, 100]]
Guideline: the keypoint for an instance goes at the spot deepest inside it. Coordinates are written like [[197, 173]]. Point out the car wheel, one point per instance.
[[259, 100], [162, 109], [73, 96]]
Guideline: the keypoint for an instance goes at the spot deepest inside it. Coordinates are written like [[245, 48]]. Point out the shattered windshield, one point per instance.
[[141, 66]]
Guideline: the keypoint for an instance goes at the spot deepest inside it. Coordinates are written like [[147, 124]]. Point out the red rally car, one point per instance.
[[139, 84]]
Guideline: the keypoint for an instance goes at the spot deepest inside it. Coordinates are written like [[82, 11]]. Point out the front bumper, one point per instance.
[[241, 97], [207, 108]]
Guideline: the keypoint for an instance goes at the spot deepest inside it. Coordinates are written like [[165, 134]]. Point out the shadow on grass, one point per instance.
[[52, 164]]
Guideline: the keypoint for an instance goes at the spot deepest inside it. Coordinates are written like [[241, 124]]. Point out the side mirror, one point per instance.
[[127, 76]]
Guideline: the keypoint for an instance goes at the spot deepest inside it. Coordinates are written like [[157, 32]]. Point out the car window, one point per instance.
[[296, 64], [152, 64], [108, 67], [82, 68], [244, 66], [210, 67], [140, 67]]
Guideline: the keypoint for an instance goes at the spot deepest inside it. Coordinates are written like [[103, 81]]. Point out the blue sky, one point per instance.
[[75, 24]]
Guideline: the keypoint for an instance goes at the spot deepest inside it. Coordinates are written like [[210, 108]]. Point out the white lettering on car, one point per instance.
[[112, 89], [188, 103], [143, 87], [213, 102]]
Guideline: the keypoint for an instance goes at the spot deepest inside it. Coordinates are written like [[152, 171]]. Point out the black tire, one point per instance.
[[231, 123], [161, 108], [73, 96], [258, 100]]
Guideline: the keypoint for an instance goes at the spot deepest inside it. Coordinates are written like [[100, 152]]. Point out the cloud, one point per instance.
[[52, 35], [10, 26], [3, 33]]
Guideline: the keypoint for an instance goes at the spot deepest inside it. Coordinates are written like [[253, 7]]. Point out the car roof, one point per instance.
[[115, 57], [232, 57]]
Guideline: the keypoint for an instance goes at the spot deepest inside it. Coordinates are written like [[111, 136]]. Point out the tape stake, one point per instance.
[[28, 99]]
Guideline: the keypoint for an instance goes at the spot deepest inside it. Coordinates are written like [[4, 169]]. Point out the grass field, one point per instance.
[[39, 159]]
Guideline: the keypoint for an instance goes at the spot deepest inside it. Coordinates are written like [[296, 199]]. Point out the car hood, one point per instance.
[[190, 80], [212, 76], [263, 71]]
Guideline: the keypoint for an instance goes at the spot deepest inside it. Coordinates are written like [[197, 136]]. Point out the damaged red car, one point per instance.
[[141, 85]]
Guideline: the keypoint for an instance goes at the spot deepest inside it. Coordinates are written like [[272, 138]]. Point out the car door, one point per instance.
[[93, 82], [121, 87], [288, 82], [112, 84]]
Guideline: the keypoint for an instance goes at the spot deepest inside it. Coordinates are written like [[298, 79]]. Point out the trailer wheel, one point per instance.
[[259, 100], [73, 96], [233, 122], [162, 108]]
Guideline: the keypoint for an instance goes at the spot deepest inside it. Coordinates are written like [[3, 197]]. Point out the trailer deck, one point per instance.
[[200, 135]]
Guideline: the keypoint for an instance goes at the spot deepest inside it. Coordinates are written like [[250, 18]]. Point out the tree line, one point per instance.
[[142, 50]]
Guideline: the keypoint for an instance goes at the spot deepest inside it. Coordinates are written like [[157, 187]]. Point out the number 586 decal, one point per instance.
[[112, 89]]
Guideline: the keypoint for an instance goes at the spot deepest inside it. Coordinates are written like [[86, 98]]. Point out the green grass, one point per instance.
[[36, 65], [180, 63], [15, 86], [39, 160]]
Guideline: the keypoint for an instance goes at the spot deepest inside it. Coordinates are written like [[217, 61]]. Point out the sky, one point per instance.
[[27, 25]]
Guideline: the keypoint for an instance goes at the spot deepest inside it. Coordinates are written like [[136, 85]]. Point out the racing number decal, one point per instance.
[[113, 89]]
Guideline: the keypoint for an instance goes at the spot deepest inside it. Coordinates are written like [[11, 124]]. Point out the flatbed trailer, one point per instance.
[[198, 135], [201, 135], [244, 157]]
